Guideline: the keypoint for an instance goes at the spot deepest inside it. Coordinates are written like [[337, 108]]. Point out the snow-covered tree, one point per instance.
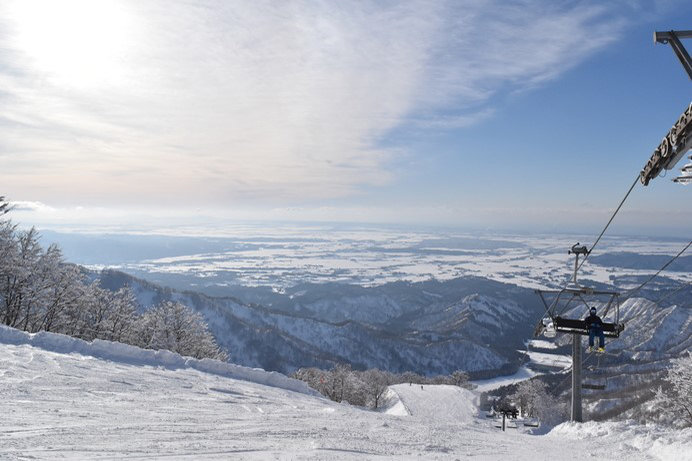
[[534, 400], [63, 287], [528, 395], [40, 291], [174, 326], [309, 375], [674, 400], [121, 322], [376, 384], [339, 382], [411, 378], [460, 378], [21, 275], [4, 206], [439, 379]]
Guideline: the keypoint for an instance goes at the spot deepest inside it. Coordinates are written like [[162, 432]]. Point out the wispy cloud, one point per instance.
[[33, 207], [239, 102]]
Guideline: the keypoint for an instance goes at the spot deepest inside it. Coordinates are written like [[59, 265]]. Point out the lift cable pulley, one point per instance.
[[598, 239]]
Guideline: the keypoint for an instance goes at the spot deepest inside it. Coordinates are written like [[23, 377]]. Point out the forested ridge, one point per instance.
[[40, 291]]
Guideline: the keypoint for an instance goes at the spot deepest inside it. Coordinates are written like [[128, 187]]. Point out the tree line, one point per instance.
[[368, 388], [673, 399], [534, 400], [39, 291]]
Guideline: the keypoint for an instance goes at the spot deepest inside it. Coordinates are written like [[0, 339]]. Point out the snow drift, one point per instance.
[[137, 356]]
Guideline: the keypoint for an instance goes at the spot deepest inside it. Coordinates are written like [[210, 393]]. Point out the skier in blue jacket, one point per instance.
[[595, 327]]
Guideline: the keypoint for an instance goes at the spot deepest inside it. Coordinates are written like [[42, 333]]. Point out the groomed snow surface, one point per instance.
[[64, 398]]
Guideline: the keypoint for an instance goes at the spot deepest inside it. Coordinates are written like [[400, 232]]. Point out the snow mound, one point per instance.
[[124, 353], [627, 436], [394, 406]]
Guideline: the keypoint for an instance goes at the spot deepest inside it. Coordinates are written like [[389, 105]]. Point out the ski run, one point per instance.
[[66, 398]]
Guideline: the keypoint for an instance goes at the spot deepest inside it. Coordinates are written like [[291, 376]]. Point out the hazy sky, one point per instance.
[[498, 114]]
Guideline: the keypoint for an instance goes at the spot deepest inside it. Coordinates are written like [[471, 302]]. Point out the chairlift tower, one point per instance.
[[557, 302]]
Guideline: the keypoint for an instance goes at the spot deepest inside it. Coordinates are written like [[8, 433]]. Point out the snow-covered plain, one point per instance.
[[284, 257], [64, 398]]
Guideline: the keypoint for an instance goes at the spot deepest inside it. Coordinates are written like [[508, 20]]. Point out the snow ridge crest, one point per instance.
[[125, 353]]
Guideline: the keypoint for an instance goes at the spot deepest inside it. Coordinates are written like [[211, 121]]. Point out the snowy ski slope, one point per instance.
[[64, 398], [437, 403]]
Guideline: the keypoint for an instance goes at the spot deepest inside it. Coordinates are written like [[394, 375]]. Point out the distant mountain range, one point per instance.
[[471, 324]]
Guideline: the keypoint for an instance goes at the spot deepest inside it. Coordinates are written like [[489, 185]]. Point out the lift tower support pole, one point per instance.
[[576, 378]]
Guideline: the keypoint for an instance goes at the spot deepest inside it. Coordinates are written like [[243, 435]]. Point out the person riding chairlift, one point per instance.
[[595, 326]]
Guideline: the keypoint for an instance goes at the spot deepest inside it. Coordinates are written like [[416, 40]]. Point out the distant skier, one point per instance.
[[595, 326]]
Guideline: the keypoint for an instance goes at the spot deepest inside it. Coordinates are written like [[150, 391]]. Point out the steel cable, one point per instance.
[[658, 301], [631, 292], [636, 180]]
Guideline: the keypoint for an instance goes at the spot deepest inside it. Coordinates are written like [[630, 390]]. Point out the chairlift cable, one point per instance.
[[550, 309], [631, 292], [636, 180], [564, 309], [610, 304], [658, 301]]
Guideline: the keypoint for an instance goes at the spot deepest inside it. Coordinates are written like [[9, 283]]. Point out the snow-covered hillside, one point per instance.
[[429, 328], [64, 398]]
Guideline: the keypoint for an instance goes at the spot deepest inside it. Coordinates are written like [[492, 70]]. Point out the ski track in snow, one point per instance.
[[78, 406]]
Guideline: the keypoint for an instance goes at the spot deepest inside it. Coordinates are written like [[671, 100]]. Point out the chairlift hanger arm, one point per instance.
[[588, 306], [673, 39], [548, 309]]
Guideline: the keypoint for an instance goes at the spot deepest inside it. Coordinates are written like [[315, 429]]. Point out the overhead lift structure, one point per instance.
[[679, 139], [675, 144], [557, 303]]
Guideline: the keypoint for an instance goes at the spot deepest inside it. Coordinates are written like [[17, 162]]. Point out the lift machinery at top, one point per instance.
[[679, 139]]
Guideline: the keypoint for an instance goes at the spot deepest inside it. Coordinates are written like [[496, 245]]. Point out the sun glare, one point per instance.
[[76, 42]]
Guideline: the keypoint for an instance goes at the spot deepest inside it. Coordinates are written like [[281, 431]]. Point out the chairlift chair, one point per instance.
[[593, 386], [686, 173], [531, 422], [555, 321]]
